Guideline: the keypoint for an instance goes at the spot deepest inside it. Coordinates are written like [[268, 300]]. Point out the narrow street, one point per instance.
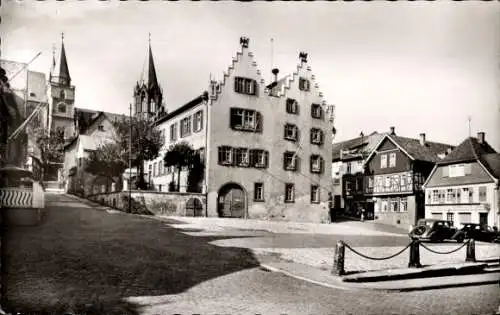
[[86, 259]]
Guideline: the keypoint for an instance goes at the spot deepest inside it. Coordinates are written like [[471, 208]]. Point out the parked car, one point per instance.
[[479, 232], [435, 230]]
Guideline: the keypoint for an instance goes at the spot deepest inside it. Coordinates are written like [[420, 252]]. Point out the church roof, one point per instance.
[[152, 79], [60, 70]]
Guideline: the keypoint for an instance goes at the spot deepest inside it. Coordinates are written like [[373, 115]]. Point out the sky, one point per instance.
[[422, 67]]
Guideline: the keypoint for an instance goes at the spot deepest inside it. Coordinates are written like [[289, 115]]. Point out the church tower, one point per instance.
[[61, 96], [148, 96]]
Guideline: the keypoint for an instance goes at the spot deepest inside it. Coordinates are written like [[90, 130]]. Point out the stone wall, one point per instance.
[[156, 203]]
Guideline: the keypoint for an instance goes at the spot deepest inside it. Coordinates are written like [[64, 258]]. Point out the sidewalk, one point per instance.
[[391, 283]]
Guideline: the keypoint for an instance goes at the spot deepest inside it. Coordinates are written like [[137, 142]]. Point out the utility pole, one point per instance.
[[130, 160]]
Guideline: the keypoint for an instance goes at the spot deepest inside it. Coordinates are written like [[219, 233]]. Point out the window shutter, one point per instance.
[[232, 117], [322, 165], [284, 131], [297, 134], [311, 136], [219, 160], [260, 122], [311, 160], [312, 110], [251, 157], [266, 154], [234, 153], [446, 171], [322, 137], [255, 88], [297, 163], [284, 160]]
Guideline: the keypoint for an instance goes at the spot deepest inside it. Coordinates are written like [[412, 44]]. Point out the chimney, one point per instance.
[[393, 132], [275, 71], [480, 137], [422, 139]]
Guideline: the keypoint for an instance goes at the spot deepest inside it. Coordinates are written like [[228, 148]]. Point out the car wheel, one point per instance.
[[460, 239]]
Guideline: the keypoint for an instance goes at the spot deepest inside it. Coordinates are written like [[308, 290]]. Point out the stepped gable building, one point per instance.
[[464, 186], [394, 174], [266, 148]]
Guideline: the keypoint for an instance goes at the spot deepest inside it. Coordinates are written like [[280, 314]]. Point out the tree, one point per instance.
[[106, 162], [51, 146], [196, 173], [146, 143], [179, 155]]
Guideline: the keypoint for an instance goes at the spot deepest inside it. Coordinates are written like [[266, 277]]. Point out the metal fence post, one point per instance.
[[338, 259], [471, 251], [414, 255]]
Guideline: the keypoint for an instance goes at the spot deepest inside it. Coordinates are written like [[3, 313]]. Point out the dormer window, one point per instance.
[[291, 132], [316, 111], [245, 86], [304, 84], [292, 107]]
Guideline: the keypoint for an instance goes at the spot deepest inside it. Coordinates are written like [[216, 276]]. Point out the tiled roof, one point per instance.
[[428, 153], [469, 150], [492, 162], [368, 144]]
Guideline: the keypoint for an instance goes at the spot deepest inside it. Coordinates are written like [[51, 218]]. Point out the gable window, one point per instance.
[[482, 194], [316, 111], [292, 107], [61, 107], [198, 121], [258, 191], [289, 192], [290, 161], [225, 155], [242, 157], [317, 136], [185, 127], [291, 132], [245, 86], [100, 128], [173, 132], [246, 119], [317, 164], [314, 194], [259, 158], [304, 84], [392, 159], [383, 160]]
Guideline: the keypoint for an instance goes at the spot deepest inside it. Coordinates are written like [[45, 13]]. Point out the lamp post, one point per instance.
[[130, 160]]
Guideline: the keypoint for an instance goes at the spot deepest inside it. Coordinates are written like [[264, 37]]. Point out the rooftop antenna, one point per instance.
[[272, 57], [468, 121]]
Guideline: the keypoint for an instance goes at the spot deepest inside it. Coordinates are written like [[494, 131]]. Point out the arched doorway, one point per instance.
[[231, 201], [194, 208]]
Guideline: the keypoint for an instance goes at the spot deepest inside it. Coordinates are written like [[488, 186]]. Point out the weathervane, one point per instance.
[[244, 42], [303, 56]]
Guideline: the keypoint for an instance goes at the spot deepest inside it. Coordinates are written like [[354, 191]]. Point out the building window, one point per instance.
[[246, 119], [317, 136], [392, 159], [394, 204], [242, 157], [467, 195], [154, 169], [385, 205], [292, 107], [383, 160], [259, 158], [173, 132], [258, 192], [198, 121], [291, 132], [290, 161], [482, 194], [304, 84], [403, 205], [450, 216], [317, 164], [435, 196], [160, 168], [62, 95], [289, 192], [316, 111], [315, 194], [225, 155], [449, 195], [245, 86], [61, 107], [100, 128], [370, 182], [185, 127]]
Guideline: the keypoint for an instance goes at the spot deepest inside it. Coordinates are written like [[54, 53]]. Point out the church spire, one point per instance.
[[152, 79], [61, 70]]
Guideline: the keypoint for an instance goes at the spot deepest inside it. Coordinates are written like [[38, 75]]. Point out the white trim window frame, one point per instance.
[[315, 194], [383, 160], [392, 159], [316, 136], [173, 132], [291, 132], [316, 111], [290, 161], [225, 154], [292, 106], [198, 121], [242, 157], [316, 163], [289, 193]]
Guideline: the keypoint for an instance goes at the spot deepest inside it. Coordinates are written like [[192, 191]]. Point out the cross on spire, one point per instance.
[[62, 36]]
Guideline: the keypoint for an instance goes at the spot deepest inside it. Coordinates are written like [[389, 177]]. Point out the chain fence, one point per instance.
[[448, 252], [377, 258]]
